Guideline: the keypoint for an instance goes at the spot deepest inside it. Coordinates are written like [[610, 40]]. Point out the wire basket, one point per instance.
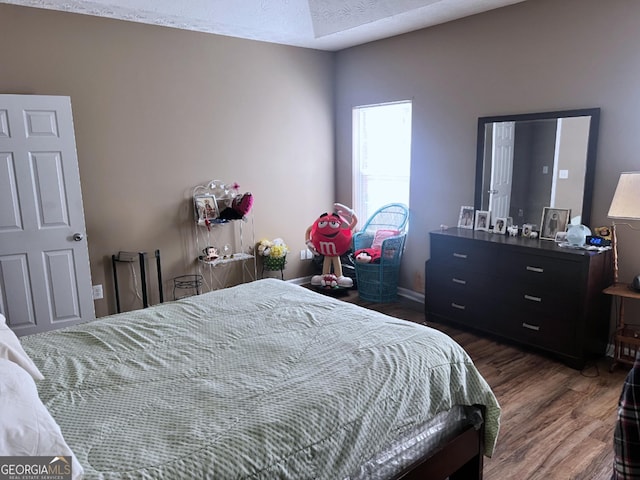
[[274, 263]]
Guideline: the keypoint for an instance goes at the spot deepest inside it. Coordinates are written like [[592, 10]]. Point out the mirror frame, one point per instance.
[[592, 147]]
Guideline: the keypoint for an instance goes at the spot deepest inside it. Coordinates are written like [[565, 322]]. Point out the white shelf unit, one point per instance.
[[233, 239]]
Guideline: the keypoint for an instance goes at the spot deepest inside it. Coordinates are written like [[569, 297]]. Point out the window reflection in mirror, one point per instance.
[[531, 161]]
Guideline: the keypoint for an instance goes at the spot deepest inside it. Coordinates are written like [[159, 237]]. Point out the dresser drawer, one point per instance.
[[539, 299], [541, 316], [457, 280], [459, 306], [462, 254], [541, 270], [550, 331]]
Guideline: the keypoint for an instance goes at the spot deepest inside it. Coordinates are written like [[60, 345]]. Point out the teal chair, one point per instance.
[[386, 228]]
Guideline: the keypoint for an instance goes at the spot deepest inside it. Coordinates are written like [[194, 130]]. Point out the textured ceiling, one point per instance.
[[320, 24]]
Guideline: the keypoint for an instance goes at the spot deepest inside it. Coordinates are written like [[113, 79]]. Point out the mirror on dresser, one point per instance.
[[526, 162]]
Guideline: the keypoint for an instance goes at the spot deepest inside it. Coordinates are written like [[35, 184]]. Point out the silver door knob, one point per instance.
[[78, 237]]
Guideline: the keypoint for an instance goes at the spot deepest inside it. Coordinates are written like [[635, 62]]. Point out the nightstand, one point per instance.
[[627, 339]]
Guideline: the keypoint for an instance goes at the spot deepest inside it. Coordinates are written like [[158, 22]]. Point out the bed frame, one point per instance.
[[459, 459]]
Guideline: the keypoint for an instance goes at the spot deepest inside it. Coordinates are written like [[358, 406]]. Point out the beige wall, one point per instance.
[[535, 56], [159, 110]]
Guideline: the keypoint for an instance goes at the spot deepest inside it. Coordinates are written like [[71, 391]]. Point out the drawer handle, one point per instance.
[[460, 255], [531, 327], [459, 307], [532, 298], [458, 281], [535, 269]]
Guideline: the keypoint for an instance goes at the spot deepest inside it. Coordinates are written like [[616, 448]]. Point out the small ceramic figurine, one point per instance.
[[513, 230]]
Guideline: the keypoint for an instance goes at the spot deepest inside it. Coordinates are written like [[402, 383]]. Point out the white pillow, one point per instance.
[[26, 426], [11, 349]]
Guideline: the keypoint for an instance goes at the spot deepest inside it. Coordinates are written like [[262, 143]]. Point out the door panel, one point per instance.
[[14, 278], [45, 280], [62, 285], [41, 123], [4, 123], [9, 204], [49, 189]]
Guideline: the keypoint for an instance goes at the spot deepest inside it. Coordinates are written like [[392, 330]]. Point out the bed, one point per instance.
[[264, 380]]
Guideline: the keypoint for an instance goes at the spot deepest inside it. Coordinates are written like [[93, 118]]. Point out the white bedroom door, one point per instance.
[[501, 169], [45, 280]]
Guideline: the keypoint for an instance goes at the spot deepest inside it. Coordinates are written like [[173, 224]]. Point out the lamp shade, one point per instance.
[[626, 201]]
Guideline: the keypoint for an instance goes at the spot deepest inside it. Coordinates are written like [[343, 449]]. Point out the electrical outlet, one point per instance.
[[302, 255], [97, 292], [309, 254]]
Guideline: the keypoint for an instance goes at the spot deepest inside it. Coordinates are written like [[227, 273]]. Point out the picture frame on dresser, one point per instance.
[[527, 228], [465, 220], [554, 220], [482, 220], [501, 226]]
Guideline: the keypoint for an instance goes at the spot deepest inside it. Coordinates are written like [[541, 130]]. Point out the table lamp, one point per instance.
[[624, 206]]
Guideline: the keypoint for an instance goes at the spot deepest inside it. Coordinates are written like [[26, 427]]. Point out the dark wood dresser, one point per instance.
[[528, 291]]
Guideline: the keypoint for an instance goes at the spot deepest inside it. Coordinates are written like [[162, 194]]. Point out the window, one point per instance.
[[381, 156]]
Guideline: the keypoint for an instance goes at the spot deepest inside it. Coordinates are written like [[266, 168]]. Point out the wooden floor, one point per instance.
[[557, 422]]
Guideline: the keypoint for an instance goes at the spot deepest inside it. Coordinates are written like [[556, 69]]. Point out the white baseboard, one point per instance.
[[411, 295]]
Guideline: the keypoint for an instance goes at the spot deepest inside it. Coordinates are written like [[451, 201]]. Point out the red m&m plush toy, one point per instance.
[[331, 235]]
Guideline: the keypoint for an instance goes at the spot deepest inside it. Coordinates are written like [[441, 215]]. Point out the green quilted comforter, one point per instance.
[[265, 380]]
